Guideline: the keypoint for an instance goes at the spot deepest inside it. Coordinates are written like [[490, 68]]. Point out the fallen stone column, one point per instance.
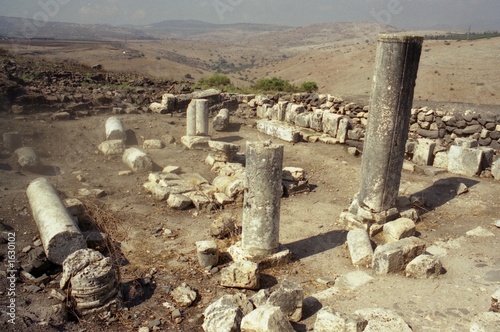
[[221, 120], [114, 129], [59, 234], [27, 158], [137, 160], [261, 208], [201, 117], [396, 67]]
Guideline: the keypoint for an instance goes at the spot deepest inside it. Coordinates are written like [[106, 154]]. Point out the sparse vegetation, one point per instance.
[[276, 84], [224, 66], [273, 84], [464, 36], [309, 87], [217, 81]]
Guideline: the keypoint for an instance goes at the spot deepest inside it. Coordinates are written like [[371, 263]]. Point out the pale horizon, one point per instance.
[[404, 14]]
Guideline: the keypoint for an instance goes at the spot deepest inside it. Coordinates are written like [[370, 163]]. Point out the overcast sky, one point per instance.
[[480, 14]]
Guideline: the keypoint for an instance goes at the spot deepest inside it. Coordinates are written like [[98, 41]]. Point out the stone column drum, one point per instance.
[[201, 117], [58, 231], [261, 207], [191, 119], [114, 129], [391, 100]]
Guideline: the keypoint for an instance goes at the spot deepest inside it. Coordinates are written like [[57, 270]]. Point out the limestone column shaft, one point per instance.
[[191, 119], [396, 67], [201, 117], [261, 207]]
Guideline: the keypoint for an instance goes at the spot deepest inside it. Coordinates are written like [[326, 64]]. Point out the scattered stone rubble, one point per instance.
[[401, 251], [272, 311], [265, 311], [91, 279]]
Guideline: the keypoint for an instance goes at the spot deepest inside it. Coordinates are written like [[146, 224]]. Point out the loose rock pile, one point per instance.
[[400, 251]]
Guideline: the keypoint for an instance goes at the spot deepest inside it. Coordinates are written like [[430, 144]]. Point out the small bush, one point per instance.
[[214, 81], [309, 87], [273, 84]]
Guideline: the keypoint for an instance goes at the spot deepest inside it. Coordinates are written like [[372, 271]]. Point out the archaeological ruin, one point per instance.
[[243, 246]]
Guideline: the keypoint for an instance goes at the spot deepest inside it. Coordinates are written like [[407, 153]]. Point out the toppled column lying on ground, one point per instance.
[[114, 129], [396, 69], [27, 158], [59, 234], [221, 120], [137, 160], [196, 125]]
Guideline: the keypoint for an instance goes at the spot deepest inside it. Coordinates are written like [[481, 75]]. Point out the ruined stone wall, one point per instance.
[[466, 143], [444, 126]]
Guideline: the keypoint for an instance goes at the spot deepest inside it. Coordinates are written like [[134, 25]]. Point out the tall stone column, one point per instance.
[[261, 207], [201, 117], [391, 100]]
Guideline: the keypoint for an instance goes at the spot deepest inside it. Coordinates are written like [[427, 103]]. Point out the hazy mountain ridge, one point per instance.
[[242, 33], [13, 27]]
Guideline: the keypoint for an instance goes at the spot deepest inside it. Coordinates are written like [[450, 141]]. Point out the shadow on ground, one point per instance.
[[441, 192], [137, 291], [230, 139], [317, 244]]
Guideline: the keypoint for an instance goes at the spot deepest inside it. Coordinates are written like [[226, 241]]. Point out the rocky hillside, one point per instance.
[[32, 85]]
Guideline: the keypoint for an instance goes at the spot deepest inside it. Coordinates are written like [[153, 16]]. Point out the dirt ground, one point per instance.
[[154, 261]]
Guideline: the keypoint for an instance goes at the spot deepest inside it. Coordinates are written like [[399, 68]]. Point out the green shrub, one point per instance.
[[273, 84], [214, 81], [309, 87]]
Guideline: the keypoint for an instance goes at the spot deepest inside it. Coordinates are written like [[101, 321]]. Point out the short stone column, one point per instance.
[[191, 119], [261, 207], [391, 100], [197, 125], [201, 117]]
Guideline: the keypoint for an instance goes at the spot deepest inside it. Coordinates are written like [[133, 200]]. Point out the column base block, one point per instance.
[[283, 256], [372, 222], [196, 142]]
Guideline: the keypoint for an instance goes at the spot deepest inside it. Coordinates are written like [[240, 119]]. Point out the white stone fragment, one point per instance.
[[266, 319]]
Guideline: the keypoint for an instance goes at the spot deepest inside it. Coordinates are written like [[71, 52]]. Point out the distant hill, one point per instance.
[[192, 29], [239, 33], [13, 27]]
